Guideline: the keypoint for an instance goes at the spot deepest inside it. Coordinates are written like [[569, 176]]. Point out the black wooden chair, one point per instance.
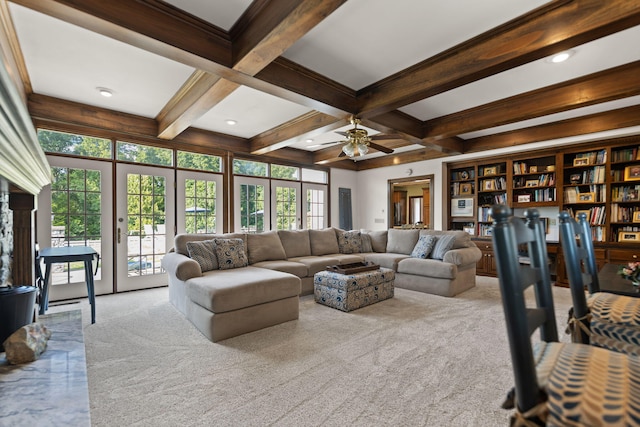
[[604, 319], [555, 383]]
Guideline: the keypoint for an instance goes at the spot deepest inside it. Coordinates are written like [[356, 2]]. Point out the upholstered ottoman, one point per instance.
[[349, 292]]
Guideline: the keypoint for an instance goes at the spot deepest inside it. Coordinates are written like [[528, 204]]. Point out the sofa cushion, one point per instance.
[[180, 241], [378, 240], [316, 263], [423, 248], [402, 241], [427, 268], [295, 242], [463, 239], [230, 253], [366, 242], [227, 290], [204, 253], [291, 267], [443, 245], [349, 242], [384, 259], [323, 242], [264, 247]]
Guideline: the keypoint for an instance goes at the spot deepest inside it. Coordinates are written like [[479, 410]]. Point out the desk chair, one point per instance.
[[604, 319], [555, 383]]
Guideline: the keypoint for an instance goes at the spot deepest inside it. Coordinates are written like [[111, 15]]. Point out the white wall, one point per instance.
[[370, 195]]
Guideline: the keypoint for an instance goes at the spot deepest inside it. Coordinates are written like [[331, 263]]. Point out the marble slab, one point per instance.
[[53, 390]]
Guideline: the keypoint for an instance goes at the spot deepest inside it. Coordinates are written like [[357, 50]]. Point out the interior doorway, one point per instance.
[[411, 202]]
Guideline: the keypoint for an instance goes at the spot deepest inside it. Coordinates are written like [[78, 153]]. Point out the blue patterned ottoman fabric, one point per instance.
[[615, 322], [353, 291], [588, 386]]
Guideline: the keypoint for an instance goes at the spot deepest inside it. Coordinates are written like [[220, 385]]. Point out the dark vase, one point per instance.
[[16, 309]]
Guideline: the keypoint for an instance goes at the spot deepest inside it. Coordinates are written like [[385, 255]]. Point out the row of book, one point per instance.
[[621, 213], [492, 199], [493, 184], [595, 215], [627, 193], [483, 214], [595, 193], [594, 157], [544, 180], [625, 155], [595, 175], [537, 195]]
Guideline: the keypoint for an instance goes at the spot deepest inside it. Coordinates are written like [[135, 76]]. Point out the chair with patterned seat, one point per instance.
[[555, 383], [603, 319]]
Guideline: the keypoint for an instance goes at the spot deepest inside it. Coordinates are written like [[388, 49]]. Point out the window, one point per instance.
[[202, 162], [313, 175], [66, 143], [252, 207], [246, 167], [285, 172], [200, 201], [146, 154]]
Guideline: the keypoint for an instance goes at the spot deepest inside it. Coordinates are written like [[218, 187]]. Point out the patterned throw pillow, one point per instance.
[[423, 248], [204, 253], [230, 253], [349, 242], [443, 244]]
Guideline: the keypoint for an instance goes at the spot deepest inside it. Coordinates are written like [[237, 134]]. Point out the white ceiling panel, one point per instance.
[[254, 111], [601, 54], [366, 40], [221, 13], [69, 62]]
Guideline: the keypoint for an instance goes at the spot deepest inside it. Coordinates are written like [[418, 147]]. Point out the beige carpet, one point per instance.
[[414, 360]]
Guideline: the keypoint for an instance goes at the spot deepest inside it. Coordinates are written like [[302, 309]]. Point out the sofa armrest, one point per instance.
[[463, 256], [181, 266]]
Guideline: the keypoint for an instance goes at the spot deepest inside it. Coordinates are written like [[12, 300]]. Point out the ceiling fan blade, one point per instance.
[[380, 148], [379, 137], [342, 133], [342, 154]]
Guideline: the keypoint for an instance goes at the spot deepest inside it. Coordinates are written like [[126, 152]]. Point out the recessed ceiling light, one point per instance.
[[309, 140], [107, 93], [561, 57], [231, 122]]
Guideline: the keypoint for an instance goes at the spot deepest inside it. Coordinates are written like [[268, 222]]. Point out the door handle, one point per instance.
[[119, 233]]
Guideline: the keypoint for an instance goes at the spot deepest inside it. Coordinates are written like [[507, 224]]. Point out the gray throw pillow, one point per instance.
[[423, 248], [443, 245], [204, 253], [230, 253], [366, 243], [349, 242]]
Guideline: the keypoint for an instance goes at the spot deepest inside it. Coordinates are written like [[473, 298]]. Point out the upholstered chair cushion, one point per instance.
[[296, 242], [204, 253], [323, 242], [423, 248], [378, 240], [615, 322], [265, 247], [349, 242], [230, 253]]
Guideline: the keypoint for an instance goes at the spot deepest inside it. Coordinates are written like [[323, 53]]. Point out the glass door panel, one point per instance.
[[199, 202], [251, 206], [75, 210], [144, 226], [315, 206], [286, 205]]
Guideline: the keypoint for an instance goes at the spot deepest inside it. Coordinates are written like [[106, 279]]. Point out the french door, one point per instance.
[[199, 202], [76, 210], [145, 223], [251, 206], [315, 206], [286, 205]]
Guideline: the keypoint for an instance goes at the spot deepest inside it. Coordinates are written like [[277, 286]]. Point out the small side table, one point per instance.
[[69, 254]]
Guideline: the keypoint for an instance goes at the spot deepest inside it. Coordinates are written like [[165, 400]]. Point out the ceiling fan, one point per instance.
[[358, 141]]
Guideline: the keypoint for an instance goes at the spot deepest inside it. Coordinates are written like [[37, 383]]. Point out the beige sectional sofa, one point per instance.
[[262, 290]]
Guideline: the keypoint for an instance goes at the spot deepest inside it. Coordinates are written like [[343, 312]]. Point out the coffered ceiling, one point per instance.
[[446, 77]]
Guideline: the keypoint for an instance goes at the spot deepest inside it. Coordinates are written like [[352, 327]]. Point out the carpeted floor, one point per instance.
[[414, 360]]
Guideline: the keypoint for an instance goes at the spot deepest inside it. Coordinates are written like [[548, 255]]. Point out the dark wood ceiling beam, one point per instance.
[[306, 126], [400, 158], [11, 54], [270, 31], [530, 37], [599, 122], [615, 83]]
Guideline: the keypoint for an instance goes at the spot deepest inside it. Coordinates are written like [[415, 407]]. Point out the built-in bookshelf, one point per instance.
[[534, 182], [625, 194]]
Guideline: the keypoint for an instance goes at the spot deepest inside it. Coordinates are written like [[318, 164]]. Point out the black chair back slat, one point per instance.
[[509, 233]]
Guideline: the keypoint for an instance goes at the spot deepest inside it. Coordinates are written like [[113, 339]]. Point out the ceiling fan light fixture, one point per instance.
[[349, 149], [362, 149]]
